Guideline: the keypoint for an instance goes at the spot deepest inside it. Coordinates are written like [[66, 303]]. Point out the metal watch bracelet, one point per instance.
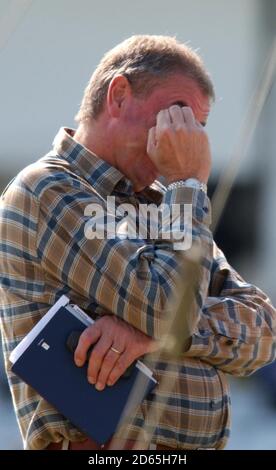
[[189, 183]]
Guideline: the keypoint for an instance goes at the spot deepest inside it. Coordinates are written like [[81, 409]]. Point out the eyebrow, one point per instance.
[[181, 104]]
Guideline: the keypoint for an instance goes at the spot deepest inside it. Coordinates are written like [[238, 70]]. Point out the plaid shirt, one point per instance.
[[44, 254]]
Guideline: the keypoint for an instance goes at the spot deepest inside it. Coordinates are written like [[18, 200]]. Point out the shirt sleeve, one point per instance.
[[131, 278], [237, 327]]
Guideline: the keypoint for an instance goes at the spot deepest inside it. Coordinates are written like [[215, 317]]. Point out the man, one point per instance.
[[141, 117]]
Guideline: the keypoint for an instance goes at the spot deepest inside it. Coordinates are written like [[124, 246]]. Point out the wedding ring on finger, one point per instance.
[[115, 350]]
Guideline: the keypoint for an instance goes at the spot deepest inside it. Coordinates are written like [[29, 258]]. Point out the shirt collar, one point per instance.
[[100, 174]]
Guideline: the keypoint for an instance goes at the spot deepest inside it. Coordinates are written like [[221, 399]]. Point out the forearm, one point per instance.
[[133, 279], [237, 330], [159, 269]]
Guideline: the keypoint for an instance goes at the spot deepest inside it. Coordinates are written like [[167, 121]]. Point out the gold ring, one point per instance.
[[115, 350]]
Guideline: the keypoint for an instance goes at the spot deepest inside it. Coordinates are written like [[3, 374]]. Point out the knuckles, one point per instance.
[[167, 133]]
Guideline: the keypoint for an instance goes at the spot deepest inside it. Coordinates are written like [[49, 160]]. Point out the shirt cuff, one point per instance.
[[201, 206]]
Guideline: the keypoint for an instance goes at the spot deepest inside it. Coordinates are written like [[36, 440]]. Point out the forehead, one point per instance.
[[180, 89]]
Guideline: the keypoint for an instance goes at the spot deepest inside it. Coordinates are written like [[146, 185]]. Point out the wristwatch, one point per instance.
[[189, 183]]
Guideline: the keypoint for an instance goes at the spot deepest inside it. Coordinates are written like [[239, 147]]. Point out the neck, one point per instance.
[[91, 136], [98, 138]]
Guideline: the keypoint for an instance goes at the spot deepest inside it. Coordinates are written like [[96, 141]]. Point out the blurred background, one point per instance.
[[48, 50]]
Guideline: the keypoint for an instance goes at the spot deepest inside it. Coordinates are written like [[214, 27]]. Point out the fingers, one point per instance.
[[189, 117], [88, 337], [124, 360], [102, 359], [163, 122], [121, 365], [180, 149], [108, 365], [118, 345], [97, 358], [177, 117], [181, 117], [174, 118], [151, 141]]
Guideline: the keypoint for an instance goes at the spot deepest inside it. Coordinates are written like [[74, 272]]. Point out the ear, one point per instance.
[[118, 91]]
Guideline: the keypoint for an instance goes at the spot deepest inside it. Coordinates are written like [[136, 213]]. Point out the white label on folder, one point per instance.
[[25, 343]]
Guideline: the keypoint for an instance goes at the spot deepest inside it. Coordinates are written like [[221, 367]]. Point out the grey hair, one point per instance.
[[145, 61]]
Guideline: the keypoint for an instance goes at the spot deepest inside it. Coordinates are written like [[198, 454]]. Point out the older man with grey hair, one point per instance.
[[142, 116]]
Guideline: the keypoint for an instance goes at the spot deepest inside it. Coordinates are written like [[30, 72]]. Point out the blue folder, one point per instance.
[[44, 362]]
